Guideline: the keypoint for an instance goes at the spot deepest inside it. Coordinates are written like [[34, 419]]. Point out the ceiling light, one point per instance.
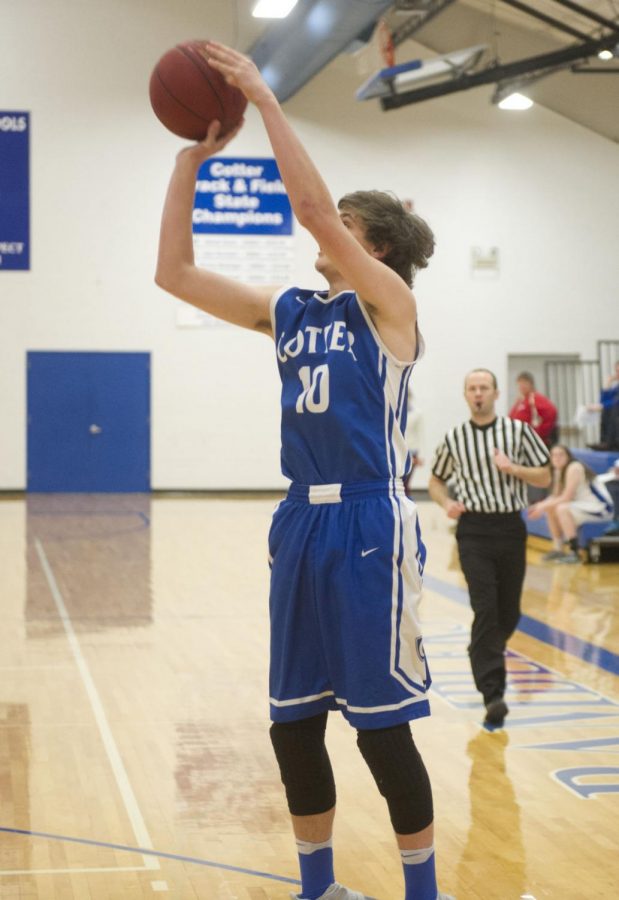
[[273, 9], [515, 101], [605, 54]]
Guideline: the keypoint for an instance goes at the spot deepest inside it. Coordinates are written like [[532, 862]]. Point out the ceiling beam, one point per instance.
[[509, 85], [595, 70], [498, 73], [588, 14], [549, 20]]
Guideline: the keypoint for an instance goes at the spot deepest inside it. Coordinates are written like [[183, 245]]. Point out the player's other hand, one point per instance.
[[238, 70], [502, 461], [454, 509], [210, 146]]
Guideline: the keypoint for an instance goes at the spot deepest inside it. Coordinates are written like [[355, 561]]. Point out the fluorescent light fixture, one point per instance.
[[273, 9], [515, 101], [605, 54]]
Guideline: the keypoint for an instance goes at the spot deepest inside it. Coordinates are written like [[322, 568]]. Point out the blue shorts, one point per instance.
[[346, 567]]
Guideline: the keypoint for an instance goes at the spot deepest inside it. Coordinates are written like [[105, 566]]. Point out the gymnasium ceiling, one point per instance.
[[590, 99]]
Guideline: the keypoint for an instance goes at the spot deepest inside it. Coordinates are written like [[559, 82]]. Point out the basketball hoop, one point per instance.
[[384, 39]]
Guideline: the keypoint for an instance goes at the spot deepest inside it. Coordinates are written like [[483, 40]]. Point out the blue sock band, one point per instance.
[[316, 862], [419, 874]]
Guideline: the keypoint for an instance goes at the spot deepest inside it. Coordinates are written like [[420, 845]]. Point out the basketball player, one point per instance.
[[489, 459], [346, 553]]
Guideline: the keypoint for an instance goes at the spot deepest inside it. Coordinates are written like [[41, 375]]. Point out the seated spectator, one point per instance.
[[577, 496], [535, 409], [609, 407]]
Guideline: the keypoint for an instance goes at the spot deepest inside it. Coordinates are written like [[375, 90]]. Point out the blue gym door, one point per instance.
[[88, 422]]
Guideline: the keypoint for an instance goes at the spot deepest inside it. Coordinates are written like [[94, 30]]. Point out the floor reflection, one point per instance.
[[590, 614], [494, 843], [15, 852], [98, 548]]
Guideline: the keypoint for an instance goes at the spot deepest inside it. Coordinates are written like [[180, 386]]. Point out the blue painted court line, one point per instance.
[[554, 637], [591, 653], [143, 851], [451, 591]]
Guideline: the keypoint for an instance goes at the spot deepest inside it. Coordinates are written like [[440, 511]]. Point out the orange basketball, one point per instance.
[[187, 94]]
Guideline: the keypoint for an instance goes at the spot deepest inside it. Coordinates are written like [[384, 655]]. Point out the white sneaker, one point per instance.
[[339, 892], [569, 559], [553, 555]]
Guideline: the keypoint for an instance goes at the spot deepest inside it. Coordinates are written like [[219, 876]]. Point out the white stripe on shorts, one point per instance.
[[376, 709], [296, 700]]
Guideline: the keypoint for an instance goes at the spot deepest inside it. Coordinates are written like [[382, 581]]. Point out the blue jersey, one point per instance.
[[346, 552], [343, 393]]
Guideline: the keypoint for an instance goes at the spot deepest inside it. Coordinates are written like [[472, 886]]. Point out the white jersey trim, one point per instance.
[[406, 666], [326, 300], [393, 390], [401, 364]]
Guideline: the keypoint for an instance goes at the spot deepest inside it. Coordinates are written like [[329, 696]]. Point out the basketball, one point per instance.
[[187, 94]]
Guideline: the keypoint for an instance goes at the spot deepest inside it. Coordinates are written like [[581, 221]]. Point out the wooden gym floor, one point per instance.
[[134, 751]]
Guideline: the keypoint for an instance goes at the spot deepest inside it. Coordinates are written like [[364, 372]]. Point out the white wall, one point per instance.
[[542, 189]]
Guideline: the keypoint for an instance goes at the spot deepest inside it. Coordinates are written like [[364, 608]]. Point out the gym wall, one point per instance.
[[541, 189]]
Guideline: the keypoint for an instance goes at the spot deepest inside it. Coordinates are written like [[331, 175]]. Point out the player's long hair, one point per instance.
[[558, 475], [408, 240]]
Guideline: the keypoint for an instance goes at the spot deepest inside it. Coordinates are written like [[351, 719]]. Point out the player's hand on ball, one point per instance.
[[239, 71], [211, 145]]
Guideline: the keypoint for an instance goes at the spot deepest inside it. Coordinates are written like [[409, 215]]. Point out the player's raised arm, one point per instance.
[[359, 263], [177, 272]]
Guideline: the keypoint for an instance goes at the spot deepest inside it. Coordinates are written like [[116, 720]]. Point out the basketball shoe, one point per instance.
[[338, 892], [496, 710], [569, 559]]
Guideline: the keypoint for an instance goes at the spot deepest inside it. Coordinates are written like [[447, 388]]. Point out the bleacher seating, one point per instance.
[[600, 462]]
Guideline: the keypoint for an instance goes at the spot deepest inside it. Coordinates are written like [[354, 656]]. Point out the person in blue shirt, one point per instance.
[[609, 408], [345, 547]]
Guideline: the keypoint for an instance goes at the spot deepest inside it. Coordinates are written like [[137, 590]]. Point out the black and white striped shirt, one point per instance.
[[465, 458]]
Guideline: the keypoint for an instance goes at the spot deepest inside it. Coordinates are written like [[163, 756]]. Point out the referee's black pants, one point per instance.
[[492, 550]]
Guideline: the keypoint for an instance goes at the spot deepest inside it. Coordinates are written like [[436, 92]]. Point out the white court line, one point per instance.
[[120, 774]]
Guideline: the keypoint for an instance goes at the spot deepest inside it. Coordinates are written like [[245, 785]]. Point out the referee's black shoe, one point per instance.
[[496, 710]]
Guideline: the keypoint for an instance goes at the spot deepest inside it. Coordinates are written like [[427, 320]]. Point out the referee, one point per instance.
[[487, 462]]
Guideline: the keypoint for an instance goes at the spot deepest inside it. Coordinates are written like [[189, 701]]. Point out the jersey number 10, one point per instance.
[[315, 394]]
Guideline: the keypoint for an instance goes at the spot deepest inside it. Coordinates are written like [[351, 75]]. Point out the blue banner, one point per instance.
[[14, 190], [241, 196]]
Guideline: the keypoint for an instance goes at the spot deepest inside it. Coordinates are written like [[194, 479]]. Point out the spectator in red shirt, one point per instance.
[[535, 409]]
